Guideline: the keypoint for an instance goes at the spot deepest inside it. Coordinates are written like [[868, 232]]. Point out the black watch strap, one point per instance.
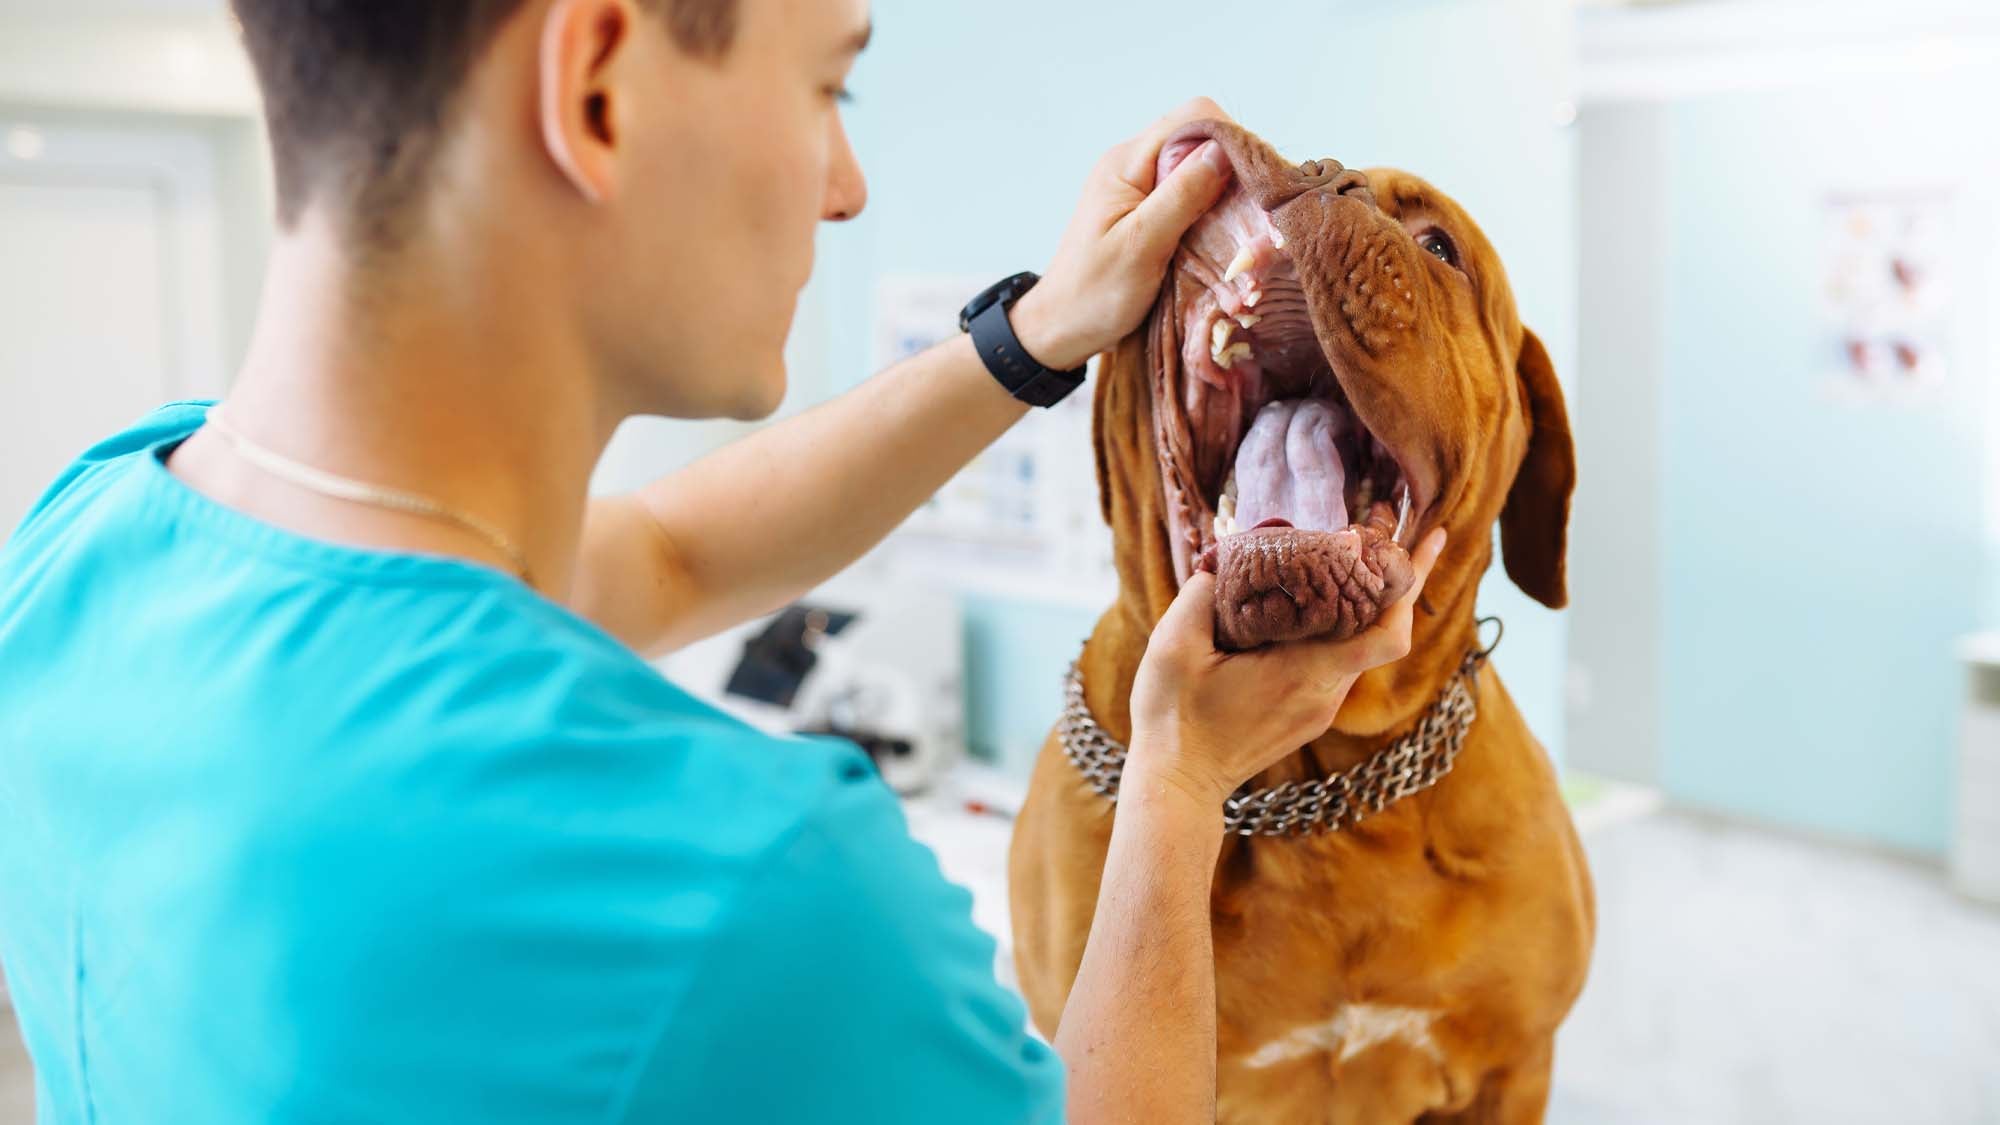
[[993, 338]]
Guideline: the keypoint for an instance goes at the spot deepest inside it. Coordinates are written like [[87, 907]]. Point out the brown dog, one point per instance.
[[1335, 367]]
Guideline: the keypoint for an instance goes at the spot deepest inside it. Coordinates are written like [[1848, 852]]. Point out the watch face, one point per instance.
[[974, 307], [1005, 291]]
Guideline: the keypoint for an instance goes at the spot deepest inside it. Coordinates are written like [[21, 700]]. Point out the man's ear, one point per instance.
[[1534, 526], [578, 51]]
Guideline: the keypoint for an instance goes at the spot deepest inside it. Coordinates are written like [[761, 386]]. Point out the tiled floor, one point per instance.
[[1741, 977]]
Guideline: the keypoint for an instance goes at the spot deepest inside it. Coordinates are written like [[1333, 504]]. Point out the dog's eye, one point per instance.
[[1438, 245]]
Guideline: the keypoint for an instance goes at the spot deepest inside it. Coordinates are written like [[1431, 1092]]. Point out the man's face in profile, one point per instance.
[[728, 166]]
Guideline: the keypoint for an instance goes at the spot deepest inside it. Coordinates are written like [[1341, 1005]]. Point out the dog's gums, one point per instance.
[[1274, 482]]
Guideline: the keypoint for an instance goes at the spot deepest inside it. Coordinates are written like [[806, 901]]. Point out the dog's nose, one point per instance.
[[1328, 175]]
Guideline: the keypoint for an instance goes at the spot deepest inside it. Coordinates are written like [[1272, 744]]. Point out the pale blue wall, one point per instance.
[[1820, 556], [977, 123]]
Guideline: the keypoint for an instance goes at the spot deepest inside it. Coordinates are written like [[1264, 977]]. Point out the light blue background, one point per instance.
[[1821, 556]]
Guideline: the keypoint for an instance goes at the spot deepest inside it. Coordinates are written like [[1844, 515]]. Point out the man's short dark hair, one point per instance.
[[357, 92]]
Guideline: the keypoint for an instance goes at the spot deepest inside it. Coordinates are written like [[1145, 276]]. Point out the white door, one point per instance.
[[109, 289]]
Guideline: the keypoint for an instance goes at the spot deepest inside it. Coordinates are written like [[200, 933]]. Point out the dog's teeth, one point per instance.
[[1251, 298], [1249, 320], [1224, 353], [1277, 239], [1243, 260]]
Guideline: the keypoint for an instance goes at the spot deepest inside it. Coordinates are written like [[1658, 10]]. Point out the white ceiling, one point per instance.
[[1680, 49]]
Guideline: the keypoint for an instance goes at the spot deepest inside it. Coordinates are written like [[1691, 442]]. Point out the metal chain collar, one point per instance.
[[1411, 764]]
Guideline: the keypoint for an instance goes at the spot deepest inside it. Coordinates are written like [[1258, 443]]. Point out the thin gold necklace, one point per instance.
[[361, 492]]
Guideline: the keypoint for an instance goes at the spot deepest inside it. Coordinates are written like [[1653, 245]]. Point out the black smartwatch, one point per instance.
[[993, 338]]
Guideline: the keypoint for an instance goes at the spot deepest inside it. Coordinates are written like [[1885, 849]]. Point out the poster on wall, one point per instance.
[[1022, 519], [1887, 296]]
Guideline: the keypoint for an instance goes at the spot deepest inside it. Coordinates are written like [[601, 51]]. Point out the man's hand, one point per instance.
[[1207, 721], [1107, 270]]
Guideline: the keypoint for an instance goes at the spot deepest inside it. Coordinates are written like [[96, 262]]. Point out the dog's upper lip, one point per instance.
[[1271, 181]]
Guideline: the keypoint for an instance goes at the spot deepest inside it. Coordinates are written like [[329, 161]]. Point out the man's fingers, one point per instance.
[[1139, 158], [1393, 627], [1191, 618], [1385, 642], [1422, 562], [1165, 215]]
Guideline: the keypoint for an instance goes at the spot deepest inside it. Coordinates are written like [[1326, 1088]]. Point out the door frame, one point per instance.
[[210, 175]]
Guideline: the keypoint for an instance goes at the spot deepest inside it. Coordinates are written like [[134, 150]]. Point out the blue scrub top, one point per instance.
[[295, 832]]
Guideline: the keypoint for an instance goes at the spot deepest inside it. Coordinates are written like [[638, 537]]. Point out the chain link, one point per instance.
[[1411, 764]]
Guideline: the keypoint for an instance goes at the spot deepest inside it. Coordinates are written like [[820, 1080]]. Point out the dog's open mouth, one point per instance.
[[1275, 483]]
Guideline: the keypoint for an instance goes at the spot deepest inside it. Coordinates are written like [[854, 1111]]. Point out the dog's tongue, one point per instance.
[[1288, 468]]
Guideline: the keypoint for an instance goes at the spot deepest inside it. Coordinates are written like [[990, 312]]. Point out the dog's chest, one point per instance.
[[1335, 963]]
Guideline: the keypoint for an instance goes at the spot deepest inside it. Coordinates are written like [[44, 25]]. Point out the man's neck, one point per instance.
[[439, 375]]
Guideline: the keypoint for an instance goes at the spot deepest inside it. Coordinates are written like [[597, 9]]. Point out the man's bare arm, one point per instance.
[[755, 524]]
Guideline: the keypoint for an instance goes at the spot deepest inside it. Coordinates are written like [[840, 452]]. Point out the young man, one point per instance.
[[327, 800]]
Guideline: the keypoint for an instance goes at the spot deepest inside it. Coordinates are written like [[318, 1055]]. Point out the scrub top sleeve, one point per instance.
[[850, 985]]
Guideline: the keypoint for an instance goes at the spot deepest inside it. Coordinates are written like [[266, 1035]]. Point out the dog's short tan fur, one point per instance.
[[1456, 924]]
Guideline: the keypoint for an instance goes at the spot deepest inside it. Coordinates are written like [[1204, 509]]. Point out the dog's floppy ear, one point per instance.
[[1534, 526]]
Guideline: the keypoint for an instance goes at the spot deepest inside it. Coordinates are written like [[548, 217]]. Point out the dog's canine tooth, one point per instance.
[[1244, 259], [1248, 320], [1277, 239]]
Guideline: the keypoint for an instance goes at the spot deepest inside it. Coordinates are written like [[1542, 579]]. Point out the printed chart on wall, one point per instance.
[[1022, 520], [1887, 294]]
